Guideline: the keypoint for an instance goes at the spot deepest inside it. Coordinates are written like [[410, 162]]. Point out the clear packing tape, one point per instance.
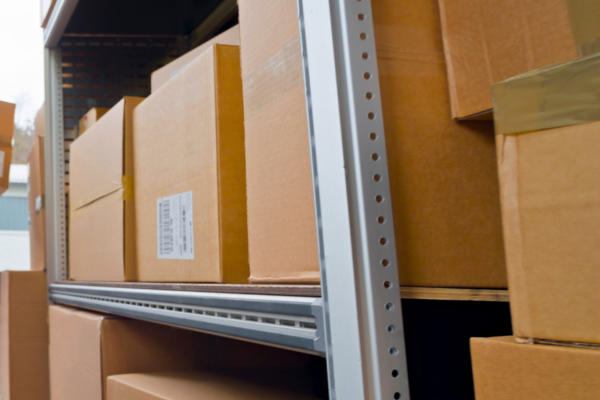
[[125, 186], [550, 97]]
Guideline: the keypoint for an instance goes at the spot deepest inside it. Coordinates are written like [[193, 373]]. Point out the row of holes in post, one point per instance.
[[379, 199]]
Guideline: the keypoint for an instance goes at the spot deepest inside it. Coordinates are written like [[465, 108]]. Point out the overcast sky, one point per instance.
[[21, 55]]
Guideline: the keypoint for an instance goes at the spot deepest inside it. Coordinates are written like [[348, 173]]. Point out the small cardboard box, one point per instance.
[[23, 335], [162, 75], [101, 218], [503, 369], [190, 179], [86, 348], [489, 41], [37, 205], [193, 385], [7, 126], [443, 174], [548, 125], [90, 118]]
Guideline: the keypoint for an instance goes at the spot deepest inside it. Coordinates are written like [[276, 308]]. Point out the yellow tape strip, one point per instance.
[[126, 185], [128, 192], [585, 24], [551, 97]]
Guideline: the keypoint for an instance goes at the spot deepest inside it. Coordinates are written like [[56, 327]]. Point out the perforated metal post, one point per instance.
[[363, 318]]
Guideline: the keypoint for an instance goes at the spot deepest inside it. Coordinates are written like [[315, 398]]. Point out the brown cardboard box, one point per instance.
[[46, 8], [101, 219], [503, 369], [189, 164], [490, 41], [86, 348], [91, 118], [192, 386], [162, 75], [38, 122], [23, 336], [445, 194], [548, 123], [7, 125], [37, 205]]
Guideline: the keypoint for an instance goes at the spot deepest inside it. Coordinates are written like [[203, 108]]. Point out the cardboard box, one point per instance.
[[90, 118], [548, 123], [190, 180], [46, 8], [38, 122], [192, 385], [445, 194], [7, 126], [503, 369], [101, 218], [23, 336], [37, 206], [162, 75], [490, 41]]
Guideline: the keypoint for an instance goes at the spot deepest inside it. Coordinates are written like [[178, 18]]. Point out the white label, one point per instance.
[[1, 163], [175, 223]]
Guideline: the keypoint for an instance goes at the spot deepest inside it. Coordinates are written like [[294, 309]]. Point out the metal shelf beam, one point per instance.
[[284, 321]]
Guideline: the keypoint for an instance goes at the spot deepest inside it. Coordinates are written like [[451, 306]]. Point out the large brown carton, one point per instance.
[[551, 199], [162, 75], [101, 219], [490, 41], [7, 125], [191, 386], [445, 194], [23, 336], [90, 118], [503, 369], [37, 205], [190, 180]]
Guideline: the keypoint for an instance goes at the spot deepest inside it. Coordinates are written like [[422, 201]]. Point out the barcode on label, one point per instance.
[[175, 227]]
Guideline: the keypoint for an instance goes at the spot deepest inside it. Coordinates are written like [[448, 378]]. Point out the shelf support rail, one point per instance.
[[364, 334]]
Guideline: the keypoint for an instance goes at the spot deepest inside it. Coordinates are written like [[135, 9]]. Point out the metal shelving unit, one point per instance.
[[357, 321]]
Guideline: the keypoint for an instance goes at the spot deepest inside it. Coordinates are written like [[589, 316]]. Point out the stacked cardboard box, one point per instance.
[[7, 125], [488, 41], [23, 335], [548, 125], [37, 198], [90, 118], [443, 176]]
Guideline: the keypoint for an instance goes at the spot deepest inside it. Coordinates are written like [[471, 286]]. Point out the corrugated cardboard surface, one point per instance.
[[503, 369], [445, 192], [551, 213], [101, 230], [23, 336], [7, 116], [189, 136], [281, 217], [86, 348], [443, 174], [91, 118], [162, 75], [46, 7], [490, 41], [37, 213], [192, 386]]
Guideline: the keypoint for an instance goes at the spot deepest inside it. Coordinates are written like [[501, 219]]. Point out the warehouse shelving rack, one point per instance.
[[354, 318]]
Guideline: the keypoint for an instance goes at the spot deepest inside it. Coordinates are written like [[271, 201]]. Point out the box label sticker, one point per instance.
[[175, 224], [1, 163]]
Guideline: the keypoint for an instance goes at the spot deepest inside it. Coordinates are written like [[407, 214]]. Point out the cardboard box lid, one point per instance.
[[199, 113], [551, 213], [23, 335], [192, 386], [503, 369], [162, 75], [37, 206], [490, 41], [550, 97], [102, 234]]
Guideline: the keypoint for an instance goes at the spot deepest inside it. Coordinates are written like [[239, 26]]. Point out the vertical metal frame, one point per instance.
[[363, 317], [56, 202]]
